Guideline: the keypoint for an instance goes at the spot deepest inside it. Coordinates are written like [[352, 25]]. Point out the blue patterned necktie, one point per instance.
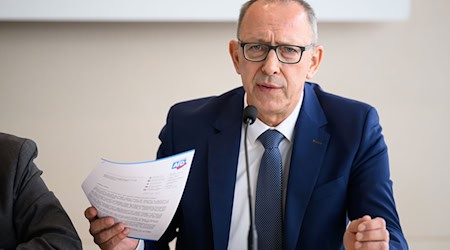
[[269, 193]]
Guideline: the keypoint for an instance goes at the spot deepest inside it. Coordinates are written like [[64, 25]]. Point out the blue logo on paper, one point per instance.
[[179, 164]]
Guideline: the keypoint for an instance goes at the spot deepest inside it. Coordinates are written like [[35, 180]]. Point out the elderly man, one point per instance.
[[329, 163]]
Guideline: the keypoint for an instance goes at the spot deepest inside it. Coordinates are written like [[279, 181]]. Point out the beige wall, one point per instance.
[[88, 90]]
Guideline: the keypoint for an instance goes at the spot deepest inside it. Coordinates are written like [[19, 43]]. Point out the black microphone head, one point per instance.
[[249, 115]]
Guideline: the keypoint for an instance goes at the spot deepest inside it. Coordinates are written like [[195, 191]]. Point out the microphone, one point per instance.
[[249, 117]]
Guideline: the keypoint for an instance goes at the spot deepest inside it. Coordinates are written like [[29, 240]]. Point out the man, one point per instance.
[[31, 217], [333, 156]]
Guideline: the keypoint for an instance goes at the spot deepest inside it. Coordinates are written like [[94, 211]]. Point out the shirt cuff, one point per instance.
[[140, 245]]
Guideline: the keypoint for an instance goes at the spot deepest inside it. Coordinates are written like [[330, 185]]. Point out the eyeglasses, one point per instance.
[[289, 54]]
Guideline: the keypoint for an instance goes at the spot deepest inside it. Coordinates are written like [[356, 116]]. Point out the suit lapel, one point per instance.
[[223, 152], [310, 143]]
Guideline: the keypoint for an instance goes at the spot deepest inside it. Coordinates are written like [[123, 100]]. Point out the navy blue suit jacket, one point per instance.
[[339, 170]]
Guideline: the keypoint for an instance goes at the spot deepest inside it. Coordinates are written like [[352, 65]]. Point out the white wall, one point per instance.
[[88, 90], [193, 10]]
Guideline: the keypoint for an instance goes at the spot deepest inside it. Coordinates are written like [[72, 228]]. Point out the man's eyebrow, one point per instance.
[[265, 42]]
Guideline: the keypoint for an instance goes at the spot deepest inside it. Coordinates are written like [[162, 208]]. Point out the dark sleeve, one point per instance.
[[39, 219], [370, 190]]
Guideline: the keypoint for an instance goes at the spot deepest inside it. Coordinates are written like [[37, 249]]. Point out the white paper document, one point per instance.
[[142, 195]]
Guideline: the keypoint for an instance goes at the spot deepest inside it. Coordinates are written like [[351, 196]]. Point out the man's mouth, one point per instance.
[[267, 86]]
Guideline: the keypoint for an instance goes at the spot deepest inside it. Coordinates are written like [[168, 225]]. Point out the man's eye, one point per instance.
[[289, 50], [255, 47]]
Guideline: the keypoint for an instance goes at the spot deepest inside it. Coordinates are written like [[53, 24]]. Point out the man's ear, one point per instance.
[[234, 53], [317, 55]]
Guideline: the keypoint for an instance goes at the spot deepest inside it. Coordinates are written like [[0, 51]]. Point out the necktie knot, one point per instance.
[[271, 138]]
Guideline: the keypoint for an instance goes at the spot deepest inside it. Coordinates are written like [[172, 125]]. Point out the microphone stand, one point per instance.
[[252, 233]]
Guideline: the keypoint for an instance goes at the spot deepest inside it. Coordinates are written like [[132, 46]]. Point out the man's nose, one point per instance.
[[271, 64]]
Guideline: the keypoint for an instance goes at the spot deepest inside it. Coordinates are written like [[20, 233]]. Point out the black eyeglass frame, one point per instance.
[[275, 48]]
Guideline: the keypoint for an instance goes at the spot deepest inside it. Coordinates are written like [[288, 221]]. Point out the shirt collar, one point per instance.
[[286, 127]]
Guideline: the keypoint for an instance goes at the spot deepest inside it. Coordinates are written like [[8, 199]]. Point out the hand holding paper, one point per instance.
[[144, 196]]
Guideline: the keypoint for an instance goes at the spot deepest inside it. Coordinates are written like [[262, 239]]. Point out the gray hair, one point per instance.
[[309, 11]]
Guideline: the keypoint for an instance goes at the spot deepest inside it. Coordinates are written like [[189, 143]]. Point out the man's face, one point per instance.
[[272, 86]]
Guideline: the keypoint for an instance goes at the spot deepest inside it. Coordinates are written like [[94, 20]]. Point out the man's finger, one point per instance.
[[381, 245], [373, 235], [90, 213], [376, 223], [107, 235], [353, 226], [102, 224], [114, 241]]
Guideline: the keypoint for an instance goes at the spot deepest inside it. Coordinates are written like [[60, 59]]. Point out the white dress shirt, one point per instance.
[[240, 217]]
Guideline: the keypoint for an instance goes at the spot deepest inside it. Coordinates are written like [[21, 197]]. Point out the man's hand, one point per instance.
[[367, 233], [108, 235]]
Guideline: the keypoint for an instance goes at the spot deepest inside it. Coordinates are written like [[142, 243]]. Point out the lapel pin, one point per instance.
[[317, 142]]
